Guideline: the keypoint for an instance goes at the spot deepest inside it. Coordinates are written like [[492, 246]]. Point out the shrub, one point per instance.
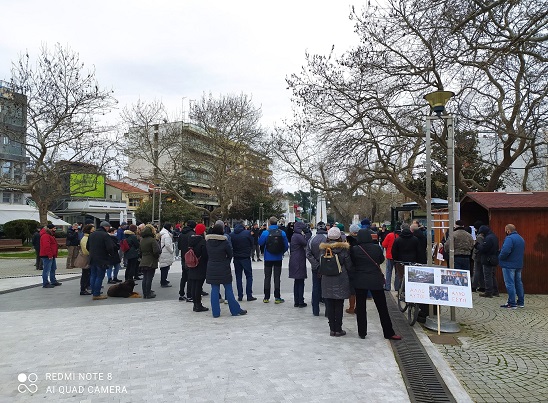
[[20, 229]]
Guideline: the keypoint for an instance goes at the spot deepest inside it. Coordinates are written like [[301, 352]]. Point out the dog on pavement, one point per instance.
[[123, 290]]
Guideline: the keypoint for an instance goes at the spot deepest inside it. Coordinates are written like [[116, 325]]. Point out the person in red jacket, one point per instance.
[[387, 244], [48, 254]]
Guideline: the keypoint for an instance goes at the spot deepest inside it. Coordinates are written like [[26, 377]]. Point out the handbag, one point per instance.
[[82, 261], [329, 264]]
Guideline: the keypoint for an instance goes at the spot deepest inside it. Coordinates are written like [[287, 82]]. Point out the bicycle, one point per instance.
[[411, 307]]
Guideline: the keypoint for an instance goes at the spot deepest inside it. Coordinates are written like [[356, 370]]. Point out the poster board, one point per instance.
[[438, 286]]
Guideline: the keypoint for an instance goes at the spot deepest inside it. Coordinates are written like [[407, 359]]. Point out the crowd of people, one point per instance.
[[206, 255]]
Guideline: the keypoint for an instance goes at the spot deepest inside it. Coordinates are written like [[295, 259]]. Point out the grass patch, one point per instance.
[[28, 254]]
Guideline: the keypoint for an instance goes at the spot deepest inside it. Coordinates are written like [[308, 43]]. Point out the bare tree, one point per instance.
[[64, 109]]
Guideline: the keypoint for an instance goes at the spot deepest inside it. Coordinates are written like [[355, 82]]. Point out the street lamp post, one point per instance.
[[437, 101]]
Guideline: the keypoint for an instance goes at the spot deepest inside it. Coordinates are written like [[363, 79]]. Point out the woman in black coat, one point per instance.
[[197, 275], [366, 275], [219, 253]]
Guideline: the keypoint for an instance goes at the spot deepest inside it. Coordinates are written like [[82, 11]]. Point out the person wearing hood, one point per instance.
[[242, 246], [167, 256], [219, 254], [366, 276], [406, 248], [150, 253], [297, 262], [101, 249], [186, 233], [335, 289], [488, 252], [313, 255], [197, 275], [132, 254], [48, 253]]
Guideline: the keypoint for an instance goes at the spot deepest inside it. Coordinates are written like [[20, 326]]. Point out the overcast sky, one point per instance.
[[175, 50]]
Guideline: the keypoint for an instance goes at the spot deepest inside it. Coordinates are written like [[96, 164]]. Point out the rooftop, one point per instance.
[[509, 200]]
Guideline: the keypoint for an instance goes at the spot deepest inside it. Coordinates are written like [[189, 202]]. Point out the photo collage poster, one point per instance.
[[438, 286]]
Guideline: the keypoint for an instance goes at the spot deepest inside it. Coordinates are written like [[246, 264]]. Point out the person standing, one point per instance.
[[276, 244], [366, 276], [335, 289], [488, 251], [423, 242], [186, 233], [176, 233], [219, 255], [167, 257], [352, 240], [101, 251], [313, 254], [150, 253], [85, 279], [120, 235], [511, 261], [242, 245], [73, 245], [132, 254], [478, 279], [197, 275], [463, 244], [387, 245], [48, 253], [115, 260], [36, 245], [297, 262], [406, 249], [256, 250]]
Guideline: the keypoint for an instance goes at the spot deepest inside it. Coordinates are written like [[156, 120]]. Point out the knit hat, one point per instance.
[[321, 225], [334, 233], [200, 229], [365, 223], [220, 222], [191, 224], [354, 228], [105, 224], [51, 226]]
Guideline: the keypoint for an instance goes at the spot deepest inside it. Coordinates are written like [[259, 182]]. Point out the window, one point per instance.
[[6, 168], [17, 198], [6, 197], [134, 202]]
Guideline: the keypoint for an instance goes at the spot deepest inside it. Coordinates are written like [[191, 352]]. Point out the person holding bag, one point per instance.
[[366, 275], [83, 260], [334, 265]]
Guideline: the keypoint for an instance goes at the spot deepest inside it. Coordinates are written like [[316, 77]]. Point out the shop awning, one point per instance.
[[10, 212]]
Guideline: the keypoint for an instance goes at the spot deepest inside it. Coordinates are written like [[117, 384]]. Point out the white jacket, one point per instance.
[[166, 244]]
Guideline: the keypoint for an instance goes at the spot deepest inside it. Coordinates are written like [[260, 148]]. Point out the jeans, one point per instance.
[[48, 271], [462, 263], [382, 309], [163, 275], [132, 267], [116, 270], [514, 285], [334, 308], [184, 280], [84, 280], [270, 266], [316, 292], [298, 291], [389, 269], [491, 286], [148, 275], [243, 265], [97, 275], [233, 305]]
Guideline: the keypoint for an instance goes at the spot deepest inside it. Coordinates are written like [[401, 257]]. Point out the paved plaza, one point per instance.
[[60, 346]]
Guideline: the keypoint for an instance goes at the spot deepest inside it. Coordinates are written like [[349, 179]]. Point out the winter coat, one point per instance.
[[313, 252], [133, 242], [297, 258], [101, 248], [255, 232], [48, 244], [166, 245], [337, 287], [84, 245], [150, 250], [489, 249], [115, 258], [512, 252], [365, 272], [72, 237], [406, 248], [198, 243], [423, 244], [36, 242], [479, 240], [269, 257], [186, 232], [464, 243], [388, 243], [242, 242], [219, 255]]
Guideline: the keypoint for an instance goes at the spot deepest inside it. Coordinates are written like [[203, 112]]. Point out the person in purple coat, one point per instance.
[[297, 261]]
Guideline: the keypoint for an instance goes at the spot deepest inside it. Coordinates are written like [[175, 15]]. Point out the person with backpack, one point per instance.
[[276, 244], [196, 261]]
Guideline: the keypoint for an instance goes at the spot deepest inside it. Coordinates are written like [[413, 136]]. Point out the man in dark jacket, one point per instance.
[[313, 255], [406, 249], [36, 245], [242, 244], [73, 245], [419, 234], [101, 251], [256, 250], [186, 233], [488, 252]]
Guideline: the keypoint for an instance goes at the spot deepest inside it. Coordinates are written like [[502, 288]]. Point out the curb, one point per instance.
[[26, 287]]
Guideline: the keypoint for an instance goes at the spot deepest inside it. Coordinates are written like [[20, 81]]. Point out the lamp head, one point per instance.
[[438, 99]]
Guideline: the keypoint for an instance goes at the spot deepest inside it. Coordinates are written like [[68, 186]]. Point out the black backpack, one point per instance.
[[275, 241]]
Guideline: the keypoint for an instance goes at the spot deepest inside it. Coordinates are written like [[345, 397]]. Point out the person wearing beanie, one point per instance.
[[313, 254], [335, 289], [186, 233], [167, 256], [100, 248], [275, 245], [367, 277], [297, 262], [488, 252], [150, 253], [365, 223], [132, 254], [48, 253], [197, 275], [218, 271]]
